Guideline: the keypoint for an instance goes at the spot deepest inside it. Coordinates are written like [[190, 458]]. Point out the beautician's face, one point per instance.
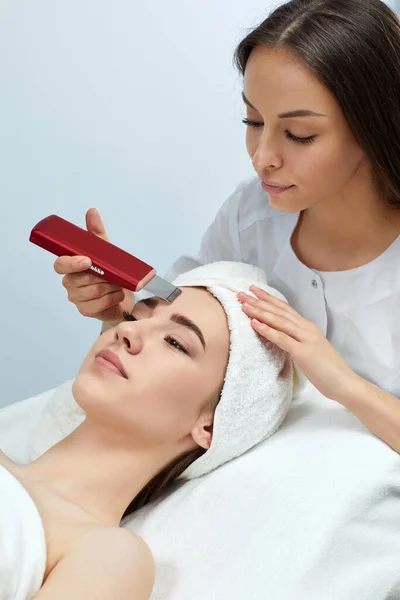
[[174, 358], [316, 155]]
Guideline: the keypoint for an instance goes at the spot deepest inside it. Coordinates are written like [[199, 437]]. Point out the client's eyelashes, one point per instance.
[[128, 316], [175, 344], [168, 338]]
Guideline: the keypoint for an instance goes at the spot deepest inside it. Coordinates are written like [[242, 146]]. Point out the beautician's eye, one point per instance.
[[251, 123], [299, 140], [129, 316], [175, 344], [290, 136]]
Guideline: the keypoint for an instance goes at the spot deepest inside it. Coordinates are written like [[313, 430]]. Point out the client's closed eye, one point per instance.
[[168, 338], [175, 344], [129, 316]]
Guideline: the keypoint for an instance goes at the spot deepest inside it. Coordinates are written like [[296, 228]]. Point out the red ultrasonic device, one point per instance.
[[109, 262]]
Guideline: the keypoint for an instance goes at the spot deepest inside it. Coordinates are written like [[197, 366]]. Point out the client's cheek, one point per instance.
[[88, 361], [102, 342]]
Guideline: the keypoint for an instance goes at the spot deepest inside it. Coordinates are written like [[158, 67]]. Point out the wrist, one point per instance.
[[355, 390]]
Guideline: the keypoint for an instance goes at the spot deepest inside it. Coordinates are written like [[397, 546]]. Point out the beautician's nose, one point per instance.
[[129, 334], [266, 157]]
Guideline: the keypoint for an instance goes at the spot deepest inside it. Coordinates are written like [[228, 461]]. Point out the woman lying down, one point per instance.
[[172, 391]]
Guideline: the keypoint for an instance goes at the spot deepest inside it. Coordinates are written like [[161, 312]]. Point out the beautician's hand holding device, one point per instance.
[[93, 296], [322, 94]]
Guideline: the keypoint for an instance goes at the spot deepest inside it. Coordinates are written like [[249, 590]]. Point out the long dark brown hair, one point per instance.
[[164, 480], [353, 48]]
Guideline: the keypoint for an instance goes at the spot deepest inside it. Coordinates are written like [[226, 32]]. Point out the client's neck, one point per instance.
[[100, 475]]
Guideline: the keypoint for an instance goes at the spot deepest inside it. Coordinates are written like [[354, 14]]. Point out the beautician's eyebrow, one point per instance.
[[246, 101], [300, 113], [288, 115], [178, 319]]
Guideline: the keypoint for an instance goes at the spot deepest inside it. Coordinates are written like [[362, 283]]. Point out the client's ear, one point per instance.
[[202, 432]]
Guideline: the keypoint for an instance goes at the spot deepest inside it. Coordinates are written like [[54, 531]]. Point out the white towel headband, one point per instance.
[[258, 383]]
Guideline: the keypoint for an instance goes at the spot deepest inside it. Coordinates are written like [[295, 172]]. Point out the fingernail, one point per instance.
[[85, 262], [248, 306], [256, 322]]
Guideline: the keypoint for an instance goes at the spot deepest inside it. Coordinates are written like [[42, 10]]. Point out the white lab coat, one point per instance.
[[357, 310]]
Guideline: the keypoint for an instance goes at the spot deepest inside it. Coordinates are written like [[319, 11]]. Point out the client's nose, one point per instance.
[[129, 335]]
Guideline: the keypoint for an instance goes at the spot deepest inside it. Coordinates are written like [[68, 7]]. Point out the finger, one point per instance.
[[276, 322], [282, 308], [263, 295], [71, 264], [77, 280], [94, 223], [280, 339], [99, 307], [277, 310], [92, 292]]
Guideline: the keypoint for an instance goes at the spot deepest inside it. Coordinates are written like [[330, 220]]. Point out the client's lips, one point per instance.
[[113, 359], [272, 187]]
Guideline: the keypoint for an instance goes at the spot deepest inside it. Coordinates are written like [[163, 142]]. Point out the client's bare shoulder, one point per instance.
[[106, 562]]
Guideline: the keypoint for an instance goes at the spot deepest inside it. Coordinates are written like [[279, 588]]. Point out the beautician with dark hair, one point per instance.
[[322, 217]]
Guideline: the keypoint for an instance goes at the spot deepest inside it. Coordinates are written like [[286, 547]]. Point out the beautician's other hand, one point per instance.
[[279, 323], [92, 296]]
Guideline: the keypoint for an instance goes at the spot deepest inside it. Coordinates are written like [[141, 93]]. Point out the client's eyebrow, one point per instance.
[[288, 115], [150, 302], [178, 319], [185, 322]]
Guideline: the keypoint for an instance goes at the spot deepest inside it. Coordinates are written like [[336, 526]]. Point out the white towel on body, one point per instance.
[[22, 541], [311, 513]]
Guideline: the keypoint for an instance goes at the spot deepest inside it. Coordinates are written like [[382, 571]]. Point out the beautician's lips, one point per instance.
[[271, 187], [112, 359]]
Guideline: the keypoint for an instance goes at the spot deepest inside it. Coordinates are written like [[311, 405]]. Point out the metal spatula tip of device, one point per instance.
[[163, 289]]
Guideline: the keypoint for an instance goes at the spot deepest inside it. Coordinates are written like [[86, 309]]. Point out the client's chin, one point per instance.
[[95, 387]]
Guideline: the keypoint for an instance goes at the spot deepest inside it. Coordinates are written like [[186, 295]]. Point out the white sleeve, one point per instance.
[[220, 241]]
